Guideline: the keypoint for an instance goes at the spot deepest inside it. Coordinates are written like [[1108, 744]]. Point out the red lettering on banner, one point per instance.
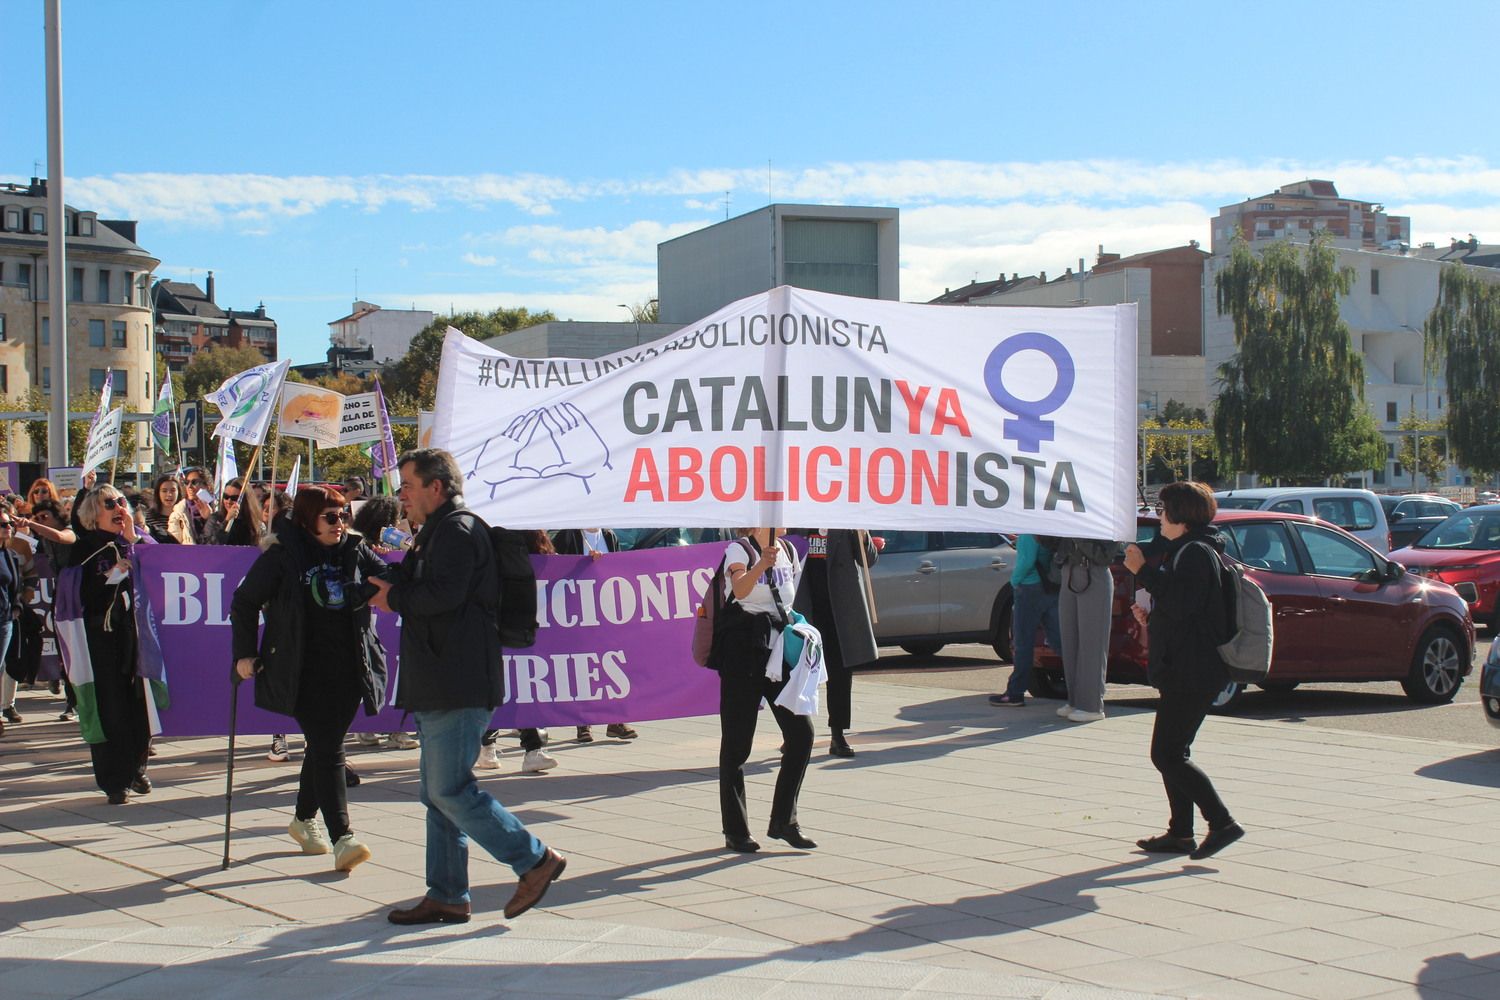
[[794, 473], [854, 462], [913, 405], [936, 479], [643, 477], [761, 493], [685, 474], [878, 492], [815, 491], [949, 413], [716, 473]]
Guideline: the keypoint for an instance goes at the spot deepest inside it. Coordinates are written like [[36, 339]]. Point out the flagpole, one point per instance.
[[276, 448]]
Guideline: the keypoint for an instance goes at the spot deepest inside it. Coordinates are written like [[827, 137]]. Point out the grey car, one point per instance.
[[937, 587]]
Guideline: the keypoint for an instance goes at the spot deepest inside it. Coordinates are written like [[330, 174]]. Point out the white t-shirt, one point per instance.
[[593, 541], [786, 573]]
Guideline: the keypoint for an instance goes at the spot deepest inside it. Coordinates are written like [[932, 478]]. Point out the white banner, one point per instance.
[[248, 400], [360, 421], [308, 411], [104, 440], [799, 408]]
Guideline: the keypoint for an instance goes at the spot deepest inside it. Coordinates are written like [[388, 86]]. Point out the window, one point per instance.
[[970, 540], [38, 221], [103, 285], [118, 340], [4, 378], [96, 333], [1264, 546], [146, 386], [13, 220], [46, 379], [1287, 507], [905, 541], [85, 225], [118, 378], [129, 297], [2, 327], [1390, 413], [1374, 281], [1335, 555], [1349, 513], [75, 287], [24, 277]]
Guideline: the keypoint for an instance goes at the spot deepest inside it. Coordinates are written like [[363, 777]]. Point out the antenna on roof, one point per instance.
[[356, 284], [726, 205]]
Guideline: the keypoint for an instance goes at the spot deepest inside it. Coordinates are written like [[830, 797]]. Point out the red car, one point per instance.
[[1463, 552], [1343, 612]]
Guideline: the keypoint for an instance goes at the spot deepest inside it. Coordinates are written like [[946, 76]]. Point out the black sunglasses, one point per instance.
[[231, 496], [335, 516], [113, 503], [6, 525]]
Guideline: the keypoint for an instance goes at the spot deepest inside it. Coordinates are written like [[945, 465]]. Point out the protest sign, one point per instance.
[[360, 419], [308, 411], [800, 407], [614, 641], [68, 477], [104, 440]]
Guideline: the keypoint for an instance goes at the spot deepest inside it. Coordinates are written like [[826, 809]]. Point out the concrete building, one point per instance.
[[1305, 207], [188, 320], [109, 312], [1167, 288], [387, 332], [578, 339], [827, 248]]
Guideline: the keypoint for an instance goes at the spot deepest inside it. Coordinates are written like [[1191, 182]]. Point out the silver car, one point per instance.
[[937, 587]]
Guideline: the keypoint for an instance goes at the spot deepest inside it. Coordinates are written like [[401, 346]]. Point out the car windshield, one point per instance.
[[1240, 503], [1465, 530]]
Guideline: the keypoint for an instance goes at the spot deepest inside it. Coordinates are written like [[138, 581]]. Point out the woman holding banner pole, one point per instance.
[[319, 657]]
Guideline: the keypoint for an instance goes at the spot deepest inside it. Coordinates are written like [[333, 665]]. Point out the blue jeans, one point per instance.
[[1033, 606], [458, 810]]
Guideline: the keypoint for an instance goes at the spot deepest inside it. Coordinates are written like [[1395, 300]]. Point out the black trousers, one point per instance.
[[324, 716], [840, 680], [739, 702], [1178, 716], [121, 701]]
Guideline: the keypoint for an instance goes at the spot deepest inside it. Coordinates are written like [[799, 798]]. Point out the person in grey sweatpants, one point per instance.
[[1085, 601]]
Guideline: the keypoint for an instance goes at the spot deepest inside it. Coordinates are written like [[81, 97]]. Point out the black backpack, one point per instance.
[[515, 615]]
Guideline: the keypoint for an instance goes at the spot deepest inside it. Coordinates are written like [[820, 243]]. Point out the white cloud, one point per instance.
[[479, 260], [597, 304]]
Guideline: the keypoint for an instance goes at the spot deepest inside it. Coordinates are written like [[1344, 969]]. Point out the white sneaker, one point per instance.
[[348, 853], [310, 835], [368, 739], [536, 761], [402, 741], [1065, 711], [1079, 715], [278, 751], [489, 758]]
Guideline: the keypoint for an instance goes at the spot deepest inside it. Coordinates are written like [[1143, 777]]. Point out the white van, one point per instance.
[[1356, 511]]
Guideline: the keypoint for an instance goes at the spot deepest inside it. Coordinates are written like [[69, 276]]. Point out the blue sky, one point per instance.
[[487, 154]]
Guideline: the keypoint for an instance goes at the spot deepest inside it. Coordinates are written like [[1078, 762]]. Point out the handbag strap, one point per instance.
[[781, 608]]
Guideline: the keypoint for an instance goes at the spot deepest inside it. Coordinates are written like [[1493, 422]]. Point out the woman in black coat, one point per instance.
[[1189, 619], [319, 657]]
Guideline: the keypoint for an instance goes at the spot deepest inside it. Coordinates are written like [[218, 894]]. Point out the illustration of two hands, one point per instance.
[[543, 443]]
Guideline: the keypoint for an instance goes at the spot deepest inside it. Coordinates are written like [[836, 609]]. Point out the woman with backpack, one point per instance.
[[760, 575], [1188, 619]]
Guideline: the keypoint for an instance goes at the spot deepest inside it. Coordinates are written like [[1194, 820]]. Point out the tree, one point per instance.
[[211, 366], [1291, 402], [1423, 453], [78, 430], [648, 313], [1170, 452], [1462, 335], [415, 375]]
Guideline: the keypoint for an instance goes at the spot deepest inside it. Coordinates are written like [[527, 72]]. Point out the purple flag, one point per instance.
[[383, 454]]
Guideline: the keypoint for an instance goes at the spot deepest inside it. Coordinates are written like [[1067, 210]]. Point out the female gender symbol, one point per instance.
[[1028, 431]]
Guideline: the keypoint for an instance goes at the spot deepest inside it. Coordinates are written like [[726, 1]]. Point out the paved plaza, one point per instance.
[[966, 851]]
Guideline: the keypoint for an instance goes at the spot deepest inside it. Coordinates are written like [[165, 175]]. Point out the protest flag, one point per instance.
[[248, 401], [161, 417], [291, 479], [384, 452]]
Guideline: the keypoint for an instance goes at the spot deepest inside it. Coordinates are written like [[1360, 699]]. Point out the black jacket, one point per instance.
[[1188, 617], [447, 591], [274, 584], [569, 541]]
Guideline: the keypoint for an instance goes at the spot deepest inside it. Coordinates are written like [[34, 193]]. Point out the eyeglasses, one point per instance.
[[195, 483], [113, 503], [6, 525], [335, 516], [231, 496]]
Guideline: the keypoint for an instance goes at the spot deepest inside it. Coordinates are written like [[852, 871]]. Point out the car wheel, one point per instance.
[[1227, 697], [1002, 642], [1278, 687], [1046, 684], [922, 648], [1436, 668]]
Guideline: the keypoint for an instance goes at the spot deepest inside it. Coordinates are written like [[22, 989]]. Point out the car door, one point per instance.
[[907, 585], [1298, 609], [974, 566], [1367, 621]]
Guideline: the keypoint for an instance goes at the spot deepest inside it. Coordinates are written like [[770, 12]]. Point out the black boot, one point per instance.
[[838, 746]]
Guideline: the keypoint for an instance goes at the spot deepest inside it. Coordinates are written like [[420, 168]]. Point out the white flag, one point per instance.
[[248, 400], [291, 480], [104, 440], [227, 468], [106, 396]]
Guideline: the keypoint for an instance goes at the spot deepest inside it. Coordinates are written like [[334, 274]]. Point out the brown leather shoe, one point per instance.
[[430, 911], [534, 883]]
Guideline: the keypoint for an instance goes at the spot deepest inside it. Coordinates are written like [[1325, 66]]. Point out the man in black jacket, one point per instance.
[[446, 593]]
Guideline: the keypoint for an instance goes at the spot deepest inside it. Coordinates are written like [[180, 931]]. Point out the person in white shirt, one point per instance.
[[760, 583]]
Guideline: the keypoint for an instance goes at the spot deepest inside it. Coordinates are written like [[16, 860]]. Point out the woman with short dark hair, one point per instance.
[[1189, 619], [319, 657]]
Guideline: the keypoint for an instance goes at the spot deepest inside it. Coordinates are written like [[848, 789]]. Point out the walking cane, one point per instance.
[[234, 704]]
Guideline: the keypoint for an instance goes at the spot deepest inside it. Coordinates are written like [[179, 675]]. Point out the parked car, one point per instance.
[[1356, 511], [1343, 613], [665, 538], [1410, 516], [1463, 551], [937, 587], [1489, 684]]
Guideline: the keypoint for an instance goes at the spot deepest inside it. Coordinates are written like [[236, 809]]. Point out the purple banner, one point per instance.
[[614, 643]]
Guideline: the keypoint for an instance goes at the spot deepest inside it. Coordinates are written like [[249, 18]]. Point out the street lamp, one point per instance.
[[637, 322]]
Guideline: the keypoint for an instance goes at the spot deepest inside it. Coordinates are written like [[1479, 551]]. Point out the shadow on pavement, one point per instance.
[[1481, 769]]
